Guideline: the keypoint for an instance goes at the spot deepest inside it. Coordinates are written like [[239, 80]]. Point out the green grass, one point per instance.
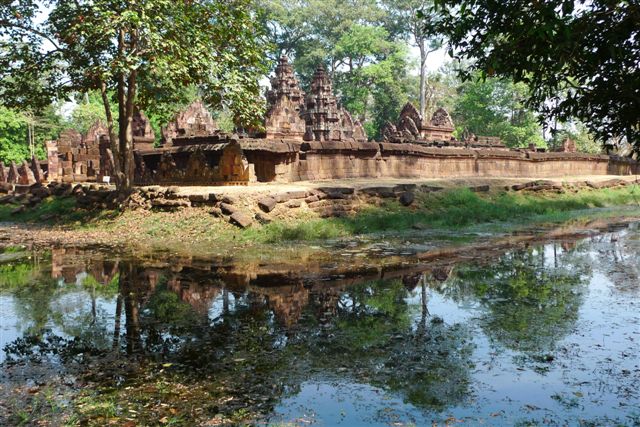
[[58, 210], [448, 210], [452, 209]]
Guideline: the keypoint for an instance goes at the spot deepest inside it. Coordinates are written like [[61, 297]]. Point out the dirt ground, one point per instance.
[[257, 189]]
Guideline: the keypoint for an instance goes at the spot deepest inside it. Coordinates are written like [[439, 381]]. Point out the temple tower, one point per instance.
[[285, 103]]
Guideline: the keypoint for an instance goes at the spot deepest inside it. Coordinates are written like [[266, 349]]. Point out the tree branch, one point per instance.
[[8, 24]]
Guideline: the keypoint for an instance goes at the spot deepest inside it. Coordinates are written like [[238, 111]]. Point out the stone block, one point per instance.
[[198, 198], [292, 204], [217, 212], [404, 187], [229, 200], [227, 208], [267, 204], [384, 192], [5, 187], [290, 195], [170, 203], [312, 199], [240, 219], [343, 190], [41, 192]]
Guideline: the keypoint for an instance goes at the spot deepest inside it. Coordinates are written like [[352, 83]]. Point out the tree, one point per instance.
[[362, 54], [22, 135], [578, 132], [88, 110], [495, 107], [13, 138], [141, 51], [586, 49], [408, 16]]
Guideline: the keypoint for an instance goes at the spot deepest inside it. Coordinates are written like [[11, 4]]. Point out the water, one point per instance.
[[538, 335]]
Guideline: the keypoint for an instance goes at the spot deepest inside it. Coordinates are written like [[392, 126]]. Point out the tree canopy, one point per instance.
[[140, 51], [580, 59]]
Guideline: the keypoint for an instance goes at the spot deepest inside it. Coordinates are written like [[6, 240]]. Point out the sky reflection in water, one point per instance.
[[545, 333]]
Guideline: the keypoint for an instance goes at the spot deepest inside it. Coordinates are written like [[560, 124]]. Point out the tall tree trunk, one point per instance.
[[113, 137], [122, 183], [423, 77], [127, 107]]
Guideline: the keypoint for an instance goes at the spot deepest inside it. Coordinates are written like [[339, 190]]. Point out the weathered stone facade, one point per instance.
[[286, 104], [311, 137], [195, 120], [13, 176], [143, 135], [25, 174], [74, 157], [568, 146], [412, 128], [325, 119]]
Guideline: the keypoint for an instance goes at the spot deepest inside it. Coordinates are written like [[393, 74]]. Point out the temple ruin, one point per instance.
[[307, 136], [195, 120]]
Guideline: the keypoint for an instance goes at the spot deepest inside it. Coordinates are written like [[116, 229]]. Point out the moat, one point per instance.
[[361, 332]]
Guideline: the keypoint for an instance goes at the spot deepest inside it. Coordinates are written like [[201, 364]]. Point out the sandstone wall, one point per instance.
[[339, 160]]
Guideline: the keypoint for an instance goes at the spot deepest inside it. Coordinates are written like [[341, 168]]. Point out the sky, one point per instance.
[[434, 61]]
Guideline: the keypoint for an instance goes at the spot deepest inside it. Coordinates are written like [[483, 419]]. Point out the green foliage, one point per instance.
[[144, 52], [13, 136], [55, 210], [578, 132], [451, 209], [495, 107], [14, 132], [528, 308], [165, 306], [14, 275], [88, 110], [579, 59], [367, 62]]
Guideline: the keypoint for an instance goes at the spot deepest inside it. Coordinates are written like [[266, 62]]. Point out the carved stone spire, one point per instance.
[[410, 122], [285, 104], [143, 135], [25, 174], [322, 114]]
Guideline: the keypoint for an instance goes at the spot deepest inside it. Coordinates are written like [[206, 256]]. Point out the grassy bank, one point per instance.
[[456, 209], [447, 210]]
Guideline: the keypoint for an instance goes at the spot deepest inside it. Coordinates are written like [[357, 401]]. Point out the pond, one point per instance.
[[539, 334]]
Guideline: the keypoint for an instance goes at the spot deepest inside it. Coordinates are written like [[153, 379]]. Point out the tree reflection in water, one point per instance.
[[259, 340]]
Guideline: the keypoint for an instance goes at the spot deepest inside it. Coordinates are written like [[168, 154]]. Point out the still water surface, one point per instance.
[[540, 335]]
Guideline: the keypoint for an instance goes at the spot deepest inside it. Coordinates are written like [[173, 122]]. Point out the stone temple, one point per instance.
[[307, 136]]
